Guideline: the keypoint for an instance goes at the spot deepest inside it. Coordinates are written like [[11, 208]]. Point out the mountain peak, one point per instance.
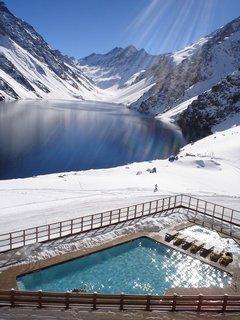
[[131, 49], [3, 7]]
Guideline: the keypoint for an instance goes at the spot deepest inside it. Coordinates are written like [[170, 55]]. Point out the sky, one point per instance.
[[80, 27]]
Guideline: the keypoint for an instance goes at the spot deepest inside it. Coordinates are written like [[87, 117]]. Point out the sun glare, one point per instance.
[[167, 26]]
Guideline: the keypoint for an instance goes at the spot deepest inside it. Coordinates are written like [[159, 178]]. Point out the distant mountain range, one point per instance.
[[206, 73]]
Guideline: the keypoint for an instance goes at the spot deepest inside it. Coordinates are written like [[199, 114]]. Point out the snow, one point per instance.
[[171, 115], [188, 51], [211, 237], [207, 168]]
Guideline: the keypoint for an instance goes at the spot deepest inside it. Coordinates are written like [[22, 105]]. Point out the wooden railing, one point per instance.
[[217, 217], [221, 218], [65, 228], [199, 303]]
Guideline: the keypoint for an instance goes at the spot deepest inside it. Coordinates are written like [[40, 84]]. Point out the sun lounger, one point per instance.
[[187, 243], [216, 254], [206, 250], [197, 245], [170, 235], [179, 239], [226, 259]]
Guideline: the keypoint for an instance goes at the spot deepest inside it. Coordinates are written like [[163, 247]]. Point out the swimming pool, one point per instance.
[[140, 266]]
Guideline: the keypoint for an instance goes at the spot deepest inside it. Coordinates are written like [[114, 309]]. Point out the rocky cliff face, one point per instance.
[[212, 107]]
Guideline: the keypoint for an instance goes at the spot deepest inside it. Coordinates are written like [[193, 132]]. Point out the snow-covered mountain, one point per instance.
[[196, 69], [119, 72], [119, 67], [30, 69]]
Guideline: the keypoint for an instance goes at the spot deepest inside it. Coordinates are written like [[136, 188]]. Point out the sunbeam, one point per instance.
[[171, 24]]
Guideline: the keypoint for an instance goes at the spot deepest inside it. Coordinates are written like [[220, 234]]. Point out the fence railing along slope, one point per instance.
[[70, 227], [74, 226]]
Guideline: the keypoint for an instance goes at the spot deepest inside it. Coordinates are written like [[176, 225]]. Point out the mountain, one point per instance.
[[119, 71], [30, 69], [118, 66], [165, 82], [196, 69], [197, 86]]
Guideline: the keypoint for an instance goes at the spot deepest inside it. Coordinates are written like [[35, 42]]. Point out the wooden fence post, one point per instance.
[[231, 223], [60, 227], [174, 301], [24, 238], [197, 205], [121, 301], [40, 299], [214, 211], [135, 213], [36, 234], [82, 224], [94, 301], [12, 299], [71, 227], [49, 232], [148, 302], [189, 202], [10, 240], [110, 219], [67, 300], [101, 223], [92, 222], [127, 213], [150, 207], [200, 299], [223, 209], [181, 201], [225, 301]]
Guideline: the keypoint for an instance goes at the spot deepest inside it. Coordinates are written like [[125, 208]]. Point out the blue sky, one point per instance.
[[81, 27]]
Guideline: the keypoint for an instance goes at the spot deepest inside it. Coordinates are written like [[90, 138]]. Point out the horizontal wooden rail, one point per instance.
[[209, 213], [94, 301], [17, 239]]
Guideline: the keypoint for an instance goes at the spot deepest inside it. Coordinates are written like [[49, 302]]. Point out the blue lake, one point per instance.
[[40, 137]]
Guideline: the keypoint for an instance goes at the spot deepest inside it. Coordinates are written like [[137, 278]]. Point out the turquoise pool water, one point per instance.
[[137, 267]]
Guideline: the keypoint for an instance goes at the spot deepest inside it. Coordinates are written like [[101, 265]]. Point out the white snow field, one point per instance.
[[208, 169]]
